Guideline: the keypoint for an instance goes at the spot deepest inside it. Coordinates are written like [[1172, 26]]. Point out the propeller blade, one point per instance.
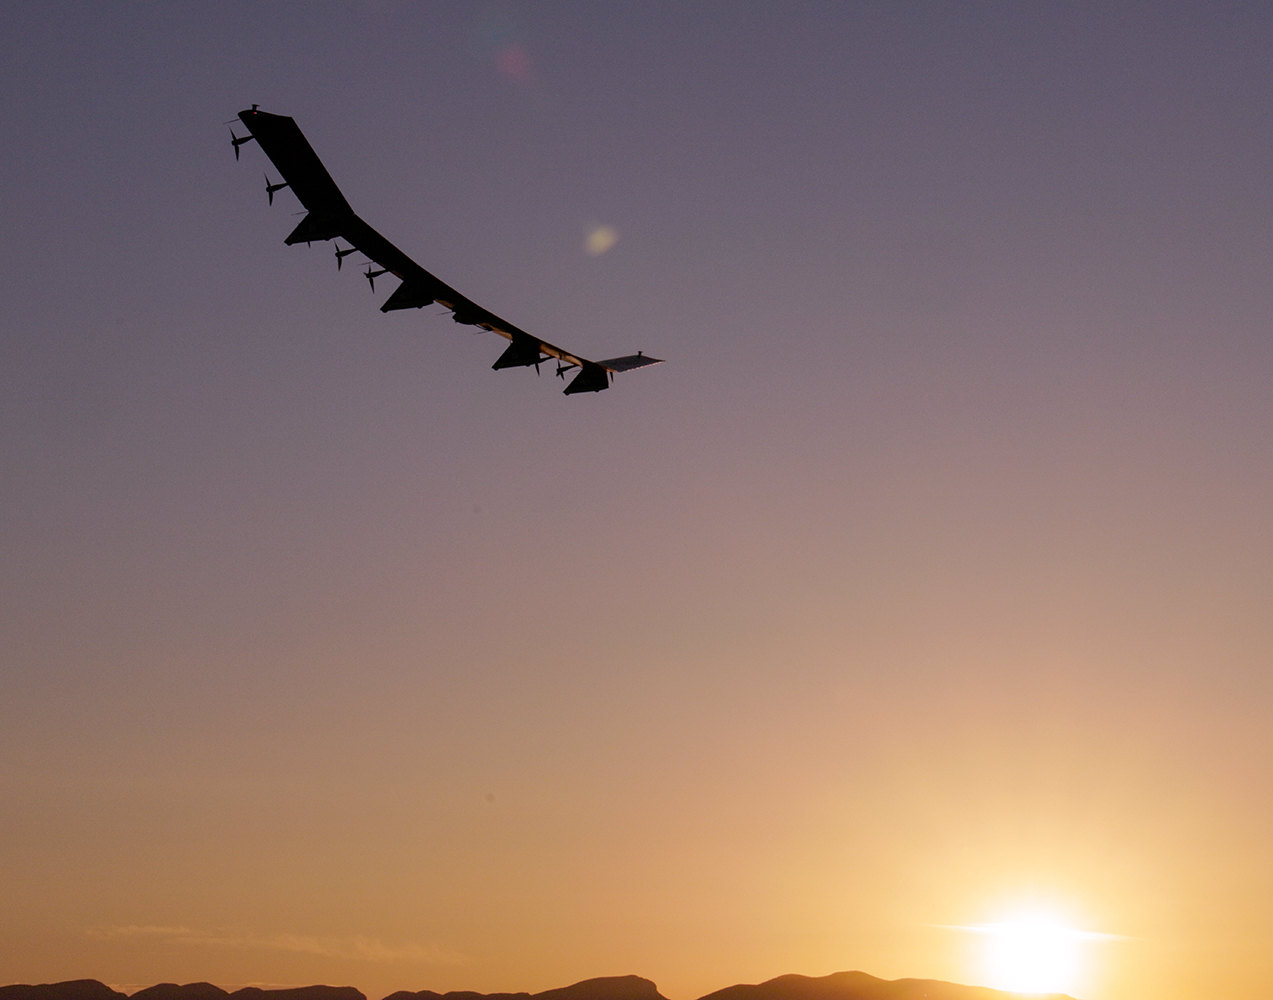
[[237, 141], [342, 254], [271, 188]]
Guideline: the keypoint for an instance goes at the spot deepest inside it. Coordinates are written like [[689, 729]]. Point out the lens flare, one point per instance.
[[514, 62], [600, 239]]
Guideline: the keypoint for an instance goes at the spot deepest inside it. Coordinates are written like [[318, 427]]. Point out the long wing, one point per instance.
[[329, 216]]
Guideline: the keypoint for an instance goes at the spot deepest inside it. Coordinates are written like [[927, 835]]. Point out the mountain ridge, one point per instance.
[[837, 986]]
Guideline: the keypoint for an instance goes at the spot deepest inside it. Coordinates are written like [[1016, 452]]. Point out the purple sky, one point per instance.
[[929, 580]]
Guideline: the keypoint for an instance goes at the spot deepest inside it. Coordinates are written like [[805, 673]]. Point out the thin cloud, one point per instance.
[[359, 947], [1063, 931]]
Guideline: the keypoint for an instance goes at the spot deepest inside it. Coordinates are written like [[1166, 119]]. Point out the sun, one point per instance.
[[1033, 953]]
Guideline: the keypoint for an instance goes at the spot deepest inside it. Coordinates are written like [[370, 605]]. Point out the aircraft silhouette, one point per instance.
[[330, 217]]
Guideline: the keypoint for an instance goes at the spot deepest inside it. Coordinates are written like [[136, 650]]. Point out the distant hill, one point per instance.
[[191, 991], [838, 986], [91, 989], [76, 989], [860, 986], [604, 988]]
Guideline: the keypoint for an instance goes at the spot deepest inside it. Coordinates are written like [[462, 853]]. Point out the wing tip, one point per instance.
[[630, 362]]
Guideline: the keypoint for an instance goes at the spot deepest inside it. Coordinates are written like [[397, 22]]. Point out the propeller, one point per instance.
[[373, 275], [271, 188], [238, 140], [342, 254]]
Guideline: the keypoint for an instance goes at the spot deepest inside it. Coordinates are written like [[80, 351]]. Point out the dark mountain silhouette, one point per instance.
[[91, 989], [838, 986], [606, 988], [300, 993], [860, 986], [603, 988], [191, 991], [75, 989]]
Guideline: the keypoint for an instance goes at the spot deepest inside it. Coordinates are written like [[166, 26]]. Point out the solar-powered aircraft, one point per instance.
[[329, 217]]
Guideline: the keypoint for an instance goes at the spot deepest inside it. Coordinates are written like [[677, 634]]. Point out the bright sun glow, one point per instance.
[[1033, 953]]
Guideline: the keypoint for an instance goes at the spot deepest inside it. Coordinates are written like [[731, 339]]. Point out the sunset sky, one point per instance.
[[929, 583]]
